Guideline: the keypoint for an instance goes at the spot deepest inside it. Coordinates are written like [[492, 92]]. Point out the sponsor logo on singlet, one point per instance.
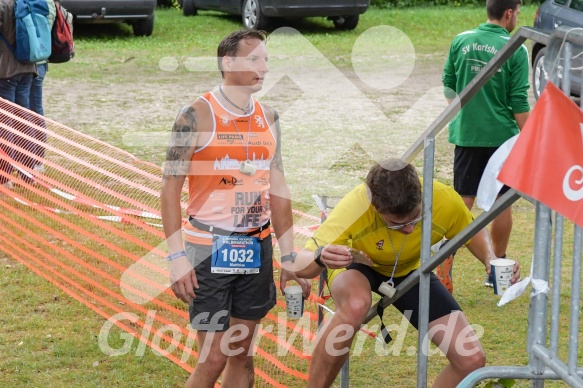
[[230, 181], [226, 163], [259, 121], [224, 120], [247, 210]]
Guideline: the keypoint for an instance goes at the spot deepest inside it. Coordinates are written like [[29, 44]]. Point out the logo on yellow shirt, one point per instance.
[[380, 244]]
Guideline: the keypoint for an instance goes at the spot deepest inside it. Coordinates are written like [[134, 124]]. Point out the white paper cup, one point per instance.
[[502, 270], [294, 301]]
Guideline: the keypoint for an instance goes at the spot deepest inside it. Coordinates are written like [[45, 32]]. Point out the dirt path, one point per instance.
[[333, 123]]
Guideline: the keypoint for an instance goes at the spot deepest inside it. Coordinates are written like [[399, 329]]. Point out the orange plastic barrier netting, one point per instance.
[[79, 213]]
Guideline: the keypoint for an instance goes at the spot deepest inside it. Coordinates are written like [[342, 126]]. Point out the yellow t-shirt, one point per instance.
[[354, 222]]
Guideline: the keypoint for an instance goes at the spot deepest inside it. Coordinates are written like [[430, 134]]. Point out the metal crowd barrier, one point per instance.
[[543, 362]]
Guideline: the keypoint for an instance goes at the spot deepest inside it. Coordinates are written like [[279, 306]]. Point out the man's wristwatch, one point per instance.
[[318, 257], [291, 257]]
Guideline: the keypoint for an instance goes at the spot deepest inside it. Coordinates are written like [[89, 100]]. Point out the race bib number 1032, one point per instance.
[[236, 255]]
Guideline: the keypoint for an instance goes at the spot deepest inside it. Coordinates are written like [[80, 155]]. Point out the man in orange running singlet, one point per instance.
[[229, 146]]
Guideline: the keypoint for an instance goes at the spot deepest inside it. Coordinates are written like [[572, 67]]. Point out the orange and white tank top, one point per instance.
[[220, 195]]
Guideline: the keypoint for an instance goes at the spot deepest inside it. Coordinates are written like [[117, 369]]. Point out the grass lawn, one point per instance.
[[119, 85]]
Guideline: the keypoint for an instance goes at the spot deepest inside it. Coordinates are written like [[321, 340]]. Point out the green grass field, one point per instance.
[[50, 339]]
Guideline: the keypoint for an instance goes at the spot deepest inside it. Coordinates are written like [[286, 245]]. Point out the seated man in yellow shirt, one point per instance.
[[380, 218]]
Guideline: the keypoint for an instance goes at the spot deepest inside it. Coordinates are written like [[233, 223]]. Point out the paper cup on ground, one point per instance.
[[502, 270], [294, 301]]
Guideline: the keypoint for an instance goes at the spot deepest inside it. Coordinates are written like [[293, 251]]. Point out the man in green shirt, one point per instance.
[[496, 113]]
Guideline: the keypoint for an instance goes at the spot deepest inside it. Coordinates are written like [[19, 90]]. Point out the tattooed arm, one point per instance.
[[182, 144], [280, 204]]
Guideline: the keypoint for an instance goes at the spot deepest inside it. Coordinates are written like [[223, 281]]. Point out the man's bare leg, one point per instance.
[[207, 372], [239, 372], [228, 351], [457, 340], [500, 232], [500, 228], [352, 296], [469, 202]]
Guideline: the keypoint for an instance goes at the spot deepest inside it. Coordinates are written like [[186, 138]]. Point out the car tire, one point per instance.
[[539, 74], [253, 18], [348, 22], [188, 8], [144, 27]]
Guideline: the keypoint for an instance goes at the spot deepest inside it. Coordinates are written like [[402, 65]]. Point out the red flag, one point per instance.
[[546, 162]]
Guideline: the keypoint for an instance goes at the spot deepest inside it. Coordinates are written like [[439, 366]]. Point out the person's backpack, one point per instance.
[[33, 35], [63, 46]]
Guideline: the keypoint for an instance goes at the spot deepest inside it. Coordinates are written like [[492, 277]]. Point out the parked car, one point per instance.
[[138, 13], [256, 14], [550, 15]]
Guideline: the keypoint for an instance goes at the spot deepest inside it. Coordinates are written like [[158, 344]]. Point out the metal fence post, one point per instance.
[[566, 84], [556, 285], [575, 299], [423, 319], [537, 328]]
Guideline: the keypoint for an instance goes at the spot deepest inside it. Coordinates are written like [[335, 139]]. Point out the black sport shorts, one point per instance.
[[468, 166], [441, 302], [222, 296]]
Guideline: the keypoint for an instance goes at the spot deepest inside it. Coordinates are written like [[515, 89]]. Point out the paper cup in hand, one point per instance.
[[502, 270], [294, 301]]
